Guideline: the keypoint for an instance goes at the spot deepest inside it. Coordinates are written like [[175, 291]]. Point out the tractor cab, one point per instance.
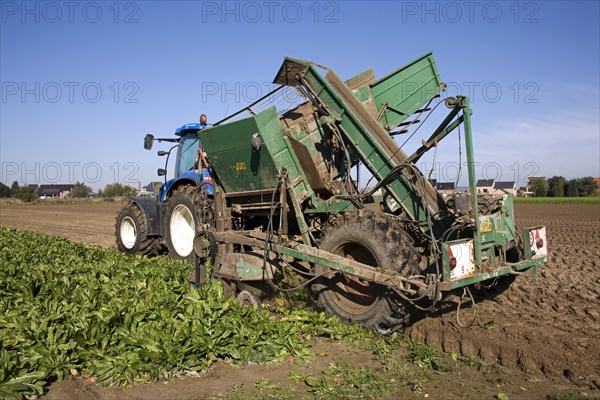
[[187, 151], [186, 171]]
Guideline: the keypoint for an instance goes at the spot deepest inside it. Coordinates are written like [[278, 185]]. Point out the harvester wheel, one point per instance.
[[181, 223], [376, 240], [131, 233], [246, 298]]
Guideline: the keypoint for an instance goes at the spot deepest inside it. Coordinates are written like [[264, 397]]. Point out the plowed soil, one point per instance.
[[88, 223], [542, 333], [548, 326]]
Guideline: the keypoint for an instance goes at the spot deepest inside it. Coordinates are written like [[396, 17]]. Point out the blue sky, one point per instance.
[[83, 82]]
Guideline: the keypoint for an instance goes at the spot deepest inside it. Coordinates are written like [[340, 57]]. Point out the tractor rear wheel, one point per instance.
[[181, 223], [131, 234], [375, 240]]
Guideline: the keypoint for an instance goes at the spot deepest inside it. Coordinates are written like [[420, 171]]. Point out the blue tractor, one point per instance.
[[167, 222]]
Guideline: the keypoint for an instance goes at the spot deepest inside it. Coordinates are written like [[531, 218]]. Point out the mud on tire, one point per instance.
[[131, 237], [372, 239]]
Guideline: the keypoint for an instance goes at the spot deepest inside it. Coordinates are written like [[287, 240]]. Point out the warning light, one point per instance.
[[539, 242], [203, 120], [452, 258]]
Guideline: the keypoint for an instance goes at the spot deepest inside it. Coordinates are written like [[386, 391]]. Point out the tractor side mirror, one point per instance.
[[161, 172], [148, 141], [162, 153]]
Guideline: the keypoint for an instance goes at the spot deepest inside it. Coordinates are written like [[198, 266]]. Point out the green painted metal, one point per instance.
[[249, 271], [238, 166], [399, 94], [472, 177], [280, 150], [373, 144], [508, 218], [435, 138], [363, 111], [527, 264], [507, 270], [333, 206]]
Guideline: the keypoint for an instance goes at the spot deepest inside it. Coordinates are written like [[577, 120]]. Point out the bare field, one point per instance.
[[549, 326], [541, 334], [89, 223]]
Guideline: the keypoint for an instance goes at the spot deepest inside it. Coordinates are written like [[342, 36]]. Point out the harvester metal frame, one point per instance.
[[395, 172], [274, 166], [244, 271]]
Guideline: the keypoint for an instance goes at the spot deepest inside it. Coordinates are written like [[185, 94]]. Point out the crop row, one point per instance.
[[71, 308]]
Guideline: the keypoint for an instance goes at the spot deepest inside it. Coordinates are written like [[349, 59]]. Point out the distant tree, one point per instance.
[[26, 194], [14, 189], [118, 190], [571, 188], [540, 188], [556, 186], [80, 191], [100, 192], [4, 190], [587, 186]]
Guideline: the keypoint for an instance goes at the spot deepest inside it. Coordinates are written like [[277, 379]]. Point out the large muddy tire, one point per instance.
[[375, 240], [130, 230], [181, 223], [246, 298]]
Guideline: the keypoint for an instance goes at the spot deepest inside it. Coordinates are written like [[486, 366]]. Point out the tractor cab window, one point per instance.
[[186, 153]]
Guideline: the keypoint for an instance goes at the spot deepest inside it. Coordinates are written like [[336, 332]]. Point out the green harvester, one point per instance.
[[286, 197]]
